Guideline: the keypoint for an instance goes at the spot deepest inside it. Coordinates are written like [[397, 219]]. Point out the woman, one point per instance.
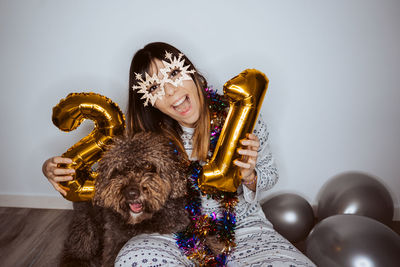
[[168, 95]]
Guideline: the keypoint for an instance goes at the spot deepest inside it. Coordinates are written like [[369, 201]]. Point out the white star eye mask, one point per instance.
[[174, 72], [151, 88]]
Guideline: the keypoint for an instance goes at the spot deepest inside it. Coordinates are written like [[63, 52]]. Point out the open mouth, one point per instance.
[[182, 105], [136, 207]]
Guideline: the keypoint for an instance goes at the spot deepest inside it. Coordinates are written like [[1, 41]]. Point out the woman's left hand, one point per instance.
[[247, 164]]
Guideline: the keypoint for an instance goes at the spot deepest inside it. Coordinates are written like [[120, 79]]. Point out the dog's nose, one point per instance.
[[131, 192]]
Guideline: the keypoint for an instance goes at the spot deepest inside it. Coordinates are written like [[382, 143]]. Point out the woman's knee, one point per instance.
[[151, 250]]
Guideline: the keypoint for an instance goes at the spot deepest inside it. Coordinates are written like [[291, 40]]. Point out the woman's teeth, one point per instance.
[[182, 105], [179, 102]]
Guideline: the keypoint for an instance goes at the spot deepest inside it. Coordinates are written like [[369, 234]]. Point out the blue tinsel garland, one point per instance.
[[192, 240]]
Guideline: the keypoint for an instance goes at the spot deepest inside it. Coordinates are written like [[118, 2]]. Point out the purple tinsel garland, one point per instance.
[[192, 240]]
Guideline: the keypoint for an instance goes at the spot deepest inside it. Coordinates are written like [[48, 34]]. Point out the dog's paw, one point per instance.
[[214, 244]]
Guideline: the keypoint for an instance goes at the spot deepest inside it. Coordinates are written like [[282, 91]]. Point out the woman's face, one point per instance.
[[180, 102]]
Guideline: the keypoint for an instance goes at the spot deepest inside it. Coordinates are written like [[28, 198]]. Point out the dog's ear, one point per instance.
[[104, 184], [178, 185], [111, 163], [179, 179], [175, 168]]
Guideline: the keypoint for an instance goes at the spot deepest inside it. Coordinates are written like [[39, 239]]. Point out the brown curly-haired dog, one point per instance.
[[141, 188]]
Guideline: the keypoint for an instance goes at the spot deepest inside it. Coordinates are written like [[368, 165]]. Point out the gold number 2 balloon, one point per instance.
[[109, 121], [245, 93]]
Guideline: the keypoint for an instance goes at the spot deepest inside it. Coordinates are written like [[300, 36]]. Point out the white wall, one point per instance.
[[332, 104]]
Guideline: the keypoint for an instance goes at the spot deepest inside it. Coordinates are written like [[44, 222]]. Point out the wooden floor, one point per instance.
[[34, 237]]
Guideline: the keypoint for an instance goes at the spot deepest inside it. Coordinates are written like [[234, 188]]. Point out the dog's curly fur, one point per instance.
[[141, 188]]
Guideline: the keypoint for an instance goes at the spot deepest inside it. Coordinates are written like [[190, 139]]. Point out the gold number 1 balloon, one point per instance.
[[245, 93], [109, 121]]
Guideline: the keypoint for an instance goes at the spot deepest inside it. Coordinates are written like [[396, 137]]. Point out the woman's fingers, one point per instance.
[[252, 136], [251, 142], [247, 152], [52, 163], [56, 174], [62, 178], [61, 160], [249, 164], [246, 169], [242, 164], [63, 171], [58, 188]]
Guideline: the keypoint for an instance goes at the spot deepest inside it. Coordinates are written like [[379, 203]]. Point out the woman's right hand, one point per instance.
[[56, 174]]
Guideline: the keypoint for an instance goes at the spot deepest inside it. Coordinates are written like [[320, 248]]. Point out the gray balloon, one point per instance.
[[353, 241], [291, 215], [356, 193]]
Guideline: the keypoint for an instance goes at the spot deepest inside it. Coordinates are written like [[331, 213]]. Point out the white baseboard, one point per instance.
[[49, 202], [38, 202]]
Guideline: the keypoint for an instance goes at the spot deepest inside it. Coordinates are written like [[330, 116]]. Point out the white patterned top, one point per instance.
[[266, 170]]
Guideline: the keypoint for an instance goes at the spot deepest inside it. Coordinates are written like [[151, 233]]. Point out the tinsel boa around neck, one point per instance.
[[192, 240]]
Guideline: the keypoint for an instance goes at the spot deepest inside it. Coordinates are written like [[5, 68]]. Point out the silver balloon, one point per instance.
[[353, 241], [356, 193], [291, 216]]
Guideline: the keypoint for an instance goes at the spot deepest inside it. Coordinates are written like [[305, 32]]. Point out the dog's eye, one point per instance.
[[149, 167]]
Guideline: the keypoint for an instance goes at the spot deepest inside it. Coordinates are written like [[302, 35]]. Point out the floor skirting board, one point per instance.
[[37, 202], [58, 202]]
